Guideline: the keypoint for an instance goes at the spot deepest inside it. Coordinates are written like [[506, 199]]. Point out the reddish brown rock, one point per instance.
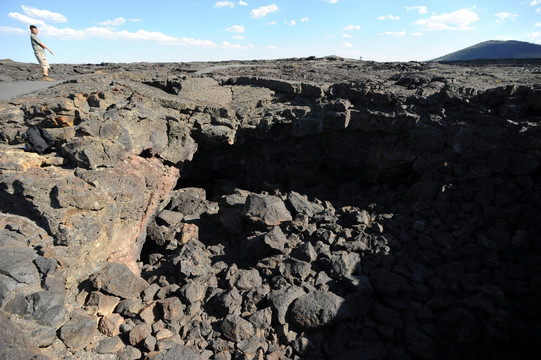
[[173, 309], [139, 332], [101, 304], [110, 324]]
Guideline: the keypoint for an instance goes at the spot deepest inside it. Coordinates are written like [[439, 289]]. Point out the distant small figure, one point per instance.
[[39, 52]]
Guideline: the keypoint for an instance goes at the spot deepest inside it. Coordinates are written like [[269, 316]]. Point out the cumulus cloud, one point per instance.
[[221, 4], [263, 11], [389, 17], [419, 9], [330, 1], [347, 44], [351, 27], [346, 36], [195, 43], [304, 19], [235, 29], [395, 34], [272, 23], [115, 22], [100, 32], [535, 37], [457, 20], [228, 45], [44, 15], [538, 24], [504, 16], [242, 3], [292, 23], [26, 19], [11, 30]]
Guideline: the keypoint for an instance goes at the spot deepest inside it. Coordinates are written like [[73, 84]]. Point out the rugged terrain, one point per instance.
[[310, 208]]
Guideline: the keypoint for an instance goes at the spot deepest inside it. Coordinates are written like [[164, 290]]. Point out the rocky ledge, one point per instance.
[[310, 208]]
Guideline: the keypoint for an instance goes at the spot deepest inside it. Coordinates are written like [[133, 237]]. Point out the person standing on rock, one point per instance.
[[39, 52]]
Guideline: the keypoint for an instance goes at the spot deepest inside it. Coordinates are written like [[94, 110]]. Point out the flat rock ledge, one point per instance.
[[316, 208]]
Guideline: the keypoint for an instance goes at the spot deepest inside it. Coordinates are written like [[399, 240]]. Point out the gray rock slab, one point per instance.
[[15, 344], [118, 279], [17, 263]]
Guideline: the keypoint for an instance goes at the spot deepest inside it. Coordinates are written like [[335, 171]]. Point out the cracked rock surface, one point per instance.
[[317, 208]]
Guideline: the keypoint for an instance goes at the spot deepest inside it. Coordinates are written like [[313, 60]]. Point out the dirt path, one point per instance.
[[9, 90]]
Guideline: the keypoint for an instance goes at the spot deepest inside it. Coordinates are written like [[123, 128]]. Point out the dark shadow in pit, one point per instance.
[[452, 270]]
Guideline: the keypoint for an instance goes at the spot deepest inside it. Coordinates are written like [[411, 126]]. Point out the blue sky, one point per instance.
[[188, 30]]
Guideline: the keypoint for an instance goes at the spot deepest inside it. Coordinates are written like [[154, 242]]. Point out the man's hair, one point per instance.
[[32, 27]]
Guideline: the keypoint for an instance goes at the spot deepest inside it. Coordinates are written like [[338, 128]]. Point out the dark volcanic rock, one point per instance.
[[318, 208], [316, 309], [266, 210], [78, 332], [117, 279]]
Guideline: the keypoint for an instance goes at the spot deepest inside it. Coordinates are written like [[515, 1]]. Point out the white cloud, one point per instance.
[[535, 3], [330, 1], [503, 16], [227, 45], [395, 34], [419, 9], [242, 3], [417, 34], [538, 24], [221, 4], [272, 23], [389, 17], [196, 43], [292, 23], [535, 37], [101, 32], [351, 28], [238, 37], [11, 30], [235, 29], [347, 44], [304, 19], [457, 20], [346, 36], [115, 22], [263, 11], [27, 20], [44, 15]]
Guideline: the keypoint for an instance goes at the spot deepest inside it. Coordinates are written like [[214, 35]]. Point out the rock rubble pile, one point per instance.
[[295, 209]]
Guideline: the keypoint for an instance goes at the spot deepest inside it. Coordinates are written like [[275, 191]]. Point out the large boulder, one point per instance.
[[117, 279], [316, 309]]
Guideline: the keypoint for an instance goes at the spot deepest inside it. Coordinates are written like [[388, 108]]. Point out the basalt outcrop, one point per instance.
[[302, 208]]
